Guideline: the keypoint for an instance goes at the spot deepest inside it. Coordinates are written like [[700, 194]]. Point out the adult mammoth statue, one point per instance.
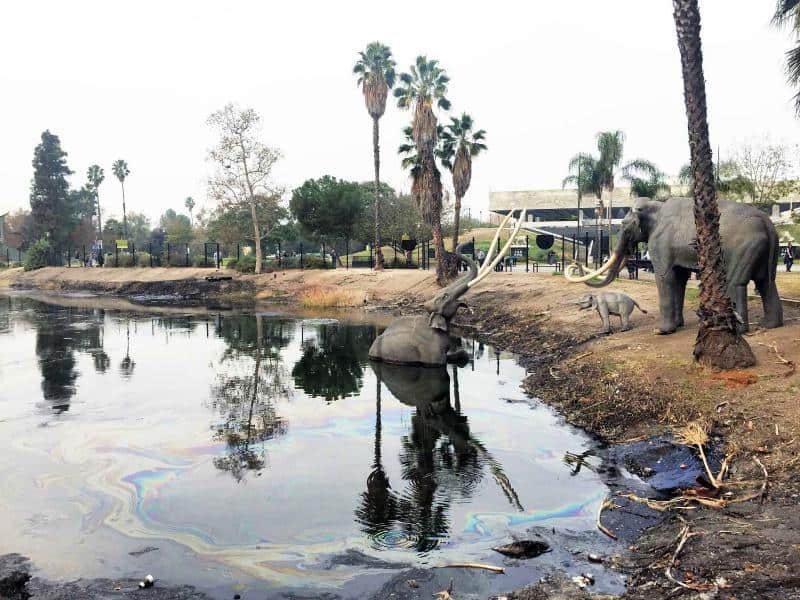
[[749, 246], [425, 339]]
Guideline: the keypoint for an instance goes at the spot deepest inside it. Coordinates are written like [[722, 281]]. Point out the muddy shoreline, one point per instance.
[[748, 550]]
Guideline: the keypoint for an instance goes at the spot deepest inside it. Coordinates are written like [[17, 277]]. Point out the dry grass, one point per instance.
[[327, 297]]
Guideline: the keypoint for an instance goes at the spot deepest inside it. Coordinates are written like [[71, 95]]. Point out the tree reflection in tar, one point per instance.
[[245, 400], [332, 364], [441, 463], [60, 333]]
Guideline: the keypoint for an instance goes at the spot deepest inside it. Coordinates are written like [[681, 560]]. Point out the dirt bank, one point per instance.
[[624, 386]]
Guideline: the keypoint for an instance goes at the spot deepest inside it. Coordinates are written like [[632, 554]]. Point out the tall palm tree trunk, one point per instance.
[[718, 343], [124, 213], [99, 216], [456, 221], [376, 157]]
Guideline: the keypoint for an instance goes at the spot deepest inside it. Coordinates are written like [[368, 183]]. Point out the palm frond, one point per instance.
[[786, 11]]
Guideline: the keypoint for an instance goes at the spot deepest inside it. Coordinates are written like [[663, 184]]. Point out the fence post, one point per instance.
[[133, 258], [150, 252], [347, 249], [205, 254], [527, 243], [238, 251], [219, 257], [371, 265], [301, 255], [116, 254], [8, 256], [563, 248], [323, 254], [187, 254]]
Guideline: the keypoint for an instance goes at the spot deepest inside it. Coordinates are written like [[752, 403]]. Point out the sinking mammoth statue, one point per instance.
[[425, 339], [749, 246]]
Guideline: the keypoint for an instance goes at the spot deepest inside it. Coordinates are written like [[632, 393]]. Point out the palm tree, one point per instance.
[[376, 76], [121, 171], [787, 12], [646, 180], [189, 204], [96, 175], [426, 84], [719, 343], [610, 145], [460, 145]]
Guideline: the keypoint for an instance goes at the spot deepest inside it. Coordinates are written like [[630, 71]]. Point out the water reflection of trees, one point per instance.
[[62, 331], [244, 395], [441, 462], [332, 363]]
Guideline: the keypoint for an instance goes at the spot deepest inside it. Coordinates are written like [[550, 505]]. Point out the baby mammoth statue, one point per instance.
[[610, 303]]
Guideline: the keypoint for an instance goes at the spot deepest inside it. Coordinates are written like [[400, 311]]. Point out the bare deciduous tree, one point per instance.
[[762, 165], [243, 163]]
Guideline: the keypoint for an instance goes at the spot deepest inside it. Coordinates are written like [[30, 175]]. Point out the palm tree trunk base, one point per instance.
[[722, 349], [447, 268]]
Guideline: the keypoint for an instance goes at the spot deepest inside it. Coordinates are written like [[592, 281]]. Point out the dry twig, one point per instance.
[[695, 434], [606, 503], [469, 565], [782, 359], [682, 538]]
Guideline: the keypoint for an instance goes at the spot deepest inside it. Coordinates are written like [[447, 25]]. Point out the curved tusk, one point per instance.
[[569, 272], [502, 253], [493, 245]]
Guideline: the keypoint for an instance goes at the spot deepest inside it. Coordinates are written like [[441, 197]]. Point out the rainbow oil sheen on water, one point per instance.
[[255, 447]]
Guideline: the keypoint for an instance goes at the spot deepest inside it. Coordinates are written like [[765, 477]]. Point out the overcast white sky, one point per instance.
[[137, 80]]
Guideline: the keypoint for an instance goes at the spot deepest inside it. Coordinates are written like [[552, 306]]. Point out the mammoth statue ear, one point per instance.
[[437, 321]]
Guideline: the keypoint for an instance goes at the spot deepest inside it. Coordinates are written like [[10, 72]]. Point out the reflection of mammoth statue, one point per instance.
[[749, 245], [425, 339]]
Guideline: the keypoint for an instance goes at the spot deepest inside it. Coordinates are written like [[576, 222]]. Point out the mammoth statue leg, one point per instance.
[[681, 277], [602, 308], [625, 316], [773, 309], [667, 286]]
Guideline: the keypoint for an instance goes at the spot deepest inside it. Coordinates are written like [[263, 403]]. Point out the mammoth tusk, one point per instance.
[[489, 267], [569, 272], [493, 245]]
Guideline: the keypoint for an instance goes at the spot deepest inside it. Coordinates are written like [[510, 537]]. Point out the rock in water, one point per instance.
[[524, 548]]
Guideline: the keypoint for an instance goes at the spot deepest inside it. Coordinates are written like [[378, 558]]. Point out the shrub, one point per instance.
[[229, 262], [37, 255], [125, 260], [314, 262], [246, 264], [142, 259]]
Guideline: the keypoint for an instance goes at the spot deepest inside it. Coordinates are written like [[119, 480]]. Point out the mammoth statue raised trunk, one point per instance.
[[749, 247], [426, 339]]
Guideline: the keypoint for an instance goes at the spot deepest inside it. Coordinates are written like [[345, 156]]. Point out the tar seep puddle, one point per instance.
[[264, 452]]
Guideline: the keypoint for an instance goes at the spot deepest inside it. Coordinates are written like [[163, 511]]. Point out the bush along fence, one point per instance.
[[284, 254]]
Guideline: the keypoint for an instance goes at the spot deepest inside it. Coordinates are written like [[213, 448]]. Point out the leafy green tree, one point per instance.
[[719, 343], [121, 171], [232, 221], [243, 174], [328, 207], [189, 204], [423, 86], [376, 76], [461, 143], [112, 231], [645, 179], [177, 227], [95, 176], [139, 230], [51, 204], [787, 12]]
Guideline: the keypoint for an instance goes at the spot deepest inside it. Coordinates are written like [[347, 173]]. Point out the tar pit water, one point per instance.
[[247, 452]]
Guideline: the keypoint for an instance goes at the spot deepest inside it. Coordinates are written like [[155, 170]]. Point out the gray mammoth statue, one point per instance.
[[425, 339], [610, 303], [749, 246]]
